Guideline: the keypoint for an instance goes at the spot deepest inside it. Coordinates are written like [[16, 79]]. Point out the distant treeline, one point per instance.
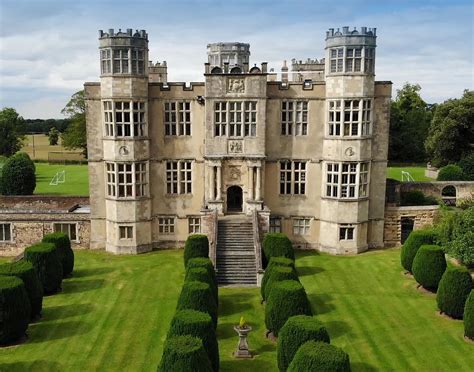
[[43, 126]]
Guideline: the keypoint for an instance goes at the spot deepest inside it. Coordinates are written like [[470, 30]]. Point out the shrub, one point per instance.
[[465, 203], [461, 245], [274, 261], [286, 299], [184, 354], [296, 331], [197, 324], [320, 356], [414, 197], [467, 166], [198, 296], [15, 309], [203, 262], [450, 172], [415, 240], [429, 266], [201, 274], [18, 175], [276, 245], [469, 316], [25, 271], [45, 259], [65, 252], [196, 245], [453, 290], [278, 274]]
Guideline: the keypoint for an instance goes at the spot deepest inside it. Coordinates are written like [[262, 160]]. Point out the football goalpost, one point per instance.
[[406, 176], [59, 177]]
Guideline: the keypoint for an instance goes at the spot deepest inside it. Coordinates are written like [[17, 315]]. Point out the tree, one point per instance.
[[53, 136], [410, 119], [74, 136], [18, 175], [451, 135], [11, 131]]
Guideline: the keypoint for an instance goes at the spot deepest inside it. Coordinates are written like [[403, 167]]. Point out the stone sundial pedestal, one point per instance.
[[243, 346]]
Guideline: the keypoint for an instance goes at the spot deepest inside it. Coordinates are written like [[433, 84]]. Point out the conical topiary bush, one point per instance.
[[184, 354], [278, 274], [415, 240], [453, 290], [429, 266], [274, 262], [320, 356]]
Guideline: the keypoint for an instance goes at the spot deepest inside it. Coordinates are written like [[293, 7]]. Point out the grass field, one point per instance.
[[37, 146], [76, 181], [113, 314], [418, 173]]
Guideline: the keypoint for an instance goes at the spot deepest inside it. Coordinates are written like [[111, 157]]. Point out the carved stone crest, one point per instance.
[[236, 86], [235, 173], [123, 150], [235, 147], [349, 151]]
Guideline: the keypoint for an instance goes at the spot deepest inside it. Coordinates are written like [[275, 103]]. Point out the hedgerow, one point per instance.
[[65, 252], [196, 245], [278, 274], [415, 240], [45, 259], [276, 245], [320, 356], [184, 354], [15, 309], [198, 296]]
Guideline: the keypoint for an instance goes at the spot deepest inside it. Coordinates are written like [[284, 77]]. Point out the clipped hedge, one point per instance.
[[296, 331], [278, 274], [415, 240], [429, 266], [203, 262], [274, 262], [201, 274], [197, 324], [453, 290], [45, 259], [15, 309], [26, 272], [66, 254], [184, 354], [286, 299], [18, 175], [320, 356], [276, 245], [450, 172], [198, 296], [197, 245], [469, 317]]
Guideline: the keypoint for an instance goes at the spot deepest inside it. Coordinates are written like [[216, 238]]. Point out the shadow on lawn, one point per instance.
[[65, 311], [36, 365], [309, 270], [45, 332], [81, 273], [358, 366], [254, 364], [77, 286], [321, 303], [233, 304], [336, 328]]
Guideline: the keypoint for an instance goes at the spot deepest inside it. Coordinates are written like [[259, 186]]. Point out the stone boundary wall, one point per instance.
[[464, 189], [423, 216]]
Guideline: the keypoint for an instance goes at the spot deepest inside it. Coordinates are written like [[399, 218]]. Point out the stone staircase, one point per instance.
[[235, 257]]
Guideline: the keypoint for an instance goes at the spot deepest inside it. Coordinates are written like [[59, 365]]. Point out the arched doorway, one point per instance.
[[234, 199], [448, 194]]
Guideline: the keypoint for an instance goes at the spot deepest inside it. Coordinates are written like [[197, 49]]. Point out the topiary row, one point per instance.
[[453, 286], [276, 245], [23, 283], [191, 343], [415, 240]]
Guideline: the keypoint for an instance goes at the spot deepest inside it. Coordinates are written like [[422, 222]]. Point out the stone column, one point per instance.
[[211, 183], [251, 183], [219, 182], [259, 182]]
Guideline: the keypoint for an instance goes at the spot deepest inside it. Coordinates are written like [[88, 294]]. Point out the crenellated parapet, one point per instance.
[[138, 34], [364, 31]]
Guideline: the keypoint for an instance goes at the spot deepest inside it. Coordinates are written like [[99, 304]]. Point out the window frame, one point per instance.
[[166, 225], [177, 118], [179, 177], [344, 183], [347, 232], [68, 233], [125, 118], [294, 117], [3, 234], [129, 183], [194, 225], [293, 178], [235, 118], [275, 224], [301, 226], [126, 232], [350, 118]]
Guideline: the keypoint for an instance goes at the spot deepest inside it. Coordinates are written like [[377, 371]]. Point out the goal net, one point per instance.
[[59, 177]]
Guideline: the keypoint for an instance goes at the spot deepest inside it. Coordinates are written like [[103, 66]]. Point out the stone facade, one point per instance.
[[25, 220], [310, 155]]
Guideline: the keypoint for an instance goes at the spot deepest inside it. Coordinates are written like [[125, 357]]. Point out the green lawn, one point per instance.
[[76, 180], [418, 173], [113, 314]]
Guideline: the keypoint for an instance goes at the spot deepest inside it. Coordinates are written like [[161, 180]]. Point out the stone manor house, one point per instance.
[[305, 154]]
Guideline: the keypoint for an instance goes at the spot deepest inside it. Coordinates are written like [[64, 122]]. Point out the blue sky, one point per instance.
[[48, 48]]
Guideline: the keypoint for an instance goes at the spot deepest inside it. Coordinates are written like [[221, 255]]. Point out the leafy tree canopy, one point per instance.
[[451, 135], [410, 119], [11, 131], [75, 135]]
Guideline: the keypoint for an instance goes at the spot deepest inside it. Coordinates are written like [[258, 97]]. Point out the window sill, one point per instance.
[[350, 138], [188, 195], [136, 138], [127, 199], [346, 199]]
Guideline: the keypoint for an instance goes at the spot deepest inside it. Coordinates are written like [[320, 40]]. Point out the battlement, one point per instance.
[[139, 34], [157, 64], [364, 31], [309, 61]]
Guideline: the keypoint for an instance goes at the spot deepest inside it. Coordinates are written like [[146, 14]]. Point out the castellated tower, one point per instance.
[[119, 145], [353, 164]]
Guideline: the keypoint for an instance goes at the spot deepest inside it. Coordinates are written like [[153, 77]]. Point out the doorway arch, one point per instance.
[[234, 199]]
